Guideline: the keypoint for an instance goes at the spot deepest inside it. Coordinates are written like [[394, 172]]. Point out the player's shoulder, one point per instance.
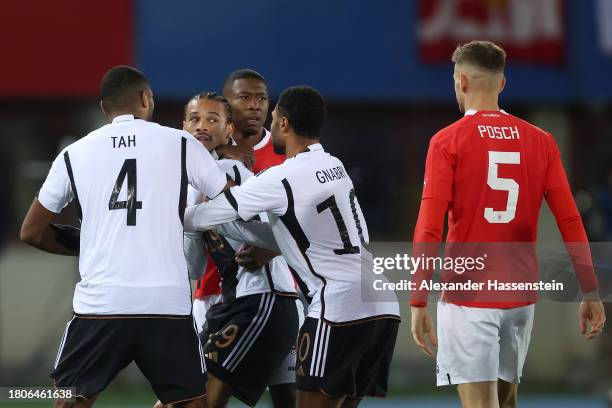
[[531, 127], [274, 172], [532, 131], [448, 133], [170, 131], [84, 144], [235, 169]]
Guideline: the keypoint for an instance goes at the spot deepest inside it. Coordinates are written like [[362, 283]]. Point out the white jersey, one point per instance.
[[237, 281], [129, 180], [319, 227]]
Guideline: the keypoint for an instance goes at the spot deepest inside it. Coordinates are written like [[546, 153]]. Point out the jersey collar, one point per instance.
[[314, 147], [123, 118], [264, 140], [471, 112]]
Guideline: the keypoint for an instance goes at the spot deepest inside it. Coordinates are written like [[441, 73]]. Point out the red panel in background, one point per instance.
[[58, 49], [530, 31]]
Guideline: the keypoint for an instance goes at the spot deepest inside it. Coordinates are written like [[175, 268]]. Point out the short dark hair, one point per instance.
[[242, 74], [120, 87], [305, 108], [482, 54], [213, 96]]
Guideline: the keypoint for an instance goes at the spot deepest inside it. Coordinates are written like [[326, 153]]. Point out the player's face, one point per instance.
[[458, 93], [248, 98], [206, 121], [278, 140]]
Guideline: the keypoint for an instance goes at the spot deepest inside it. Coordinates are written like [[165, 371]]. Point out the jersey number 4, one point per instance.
[[502, 184], [131, 204]]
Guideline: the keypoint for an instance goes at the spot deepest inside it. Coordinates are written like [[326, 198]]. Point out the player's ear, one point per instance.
[[144, 99], [184, 125], [463, 82], [230, 130], [502, 84], [102, 107], [285, 125]]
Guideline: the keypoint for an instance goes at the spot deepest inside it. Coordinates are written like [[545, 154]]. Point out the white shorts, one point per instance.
[[479, 344], [286, 372], [200, 307]]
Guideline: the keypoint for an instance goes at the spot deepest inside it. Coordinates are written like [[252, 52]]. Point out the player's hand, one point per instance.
[[592, 311], [253, 258], [237, 152], [422, 326]]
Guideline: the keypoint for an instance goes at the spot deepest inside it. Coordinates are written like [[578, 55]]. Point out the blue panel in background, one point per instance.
[[359, 52]]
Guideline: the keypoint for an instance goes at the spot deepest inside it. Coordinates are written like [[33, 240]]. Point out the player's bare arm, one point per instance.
[[423, 330], [592, 314], [253, 258], [38, 231]]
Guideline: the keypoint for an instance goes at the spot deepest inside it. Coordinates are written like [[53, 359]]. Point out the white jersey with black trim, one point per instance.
[[319, 227], [272, 277], [129, 180]]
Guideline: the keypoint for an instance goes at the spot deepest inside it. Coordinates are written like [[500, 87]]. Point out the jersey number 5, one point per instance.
[[131, 204], [502, 184]]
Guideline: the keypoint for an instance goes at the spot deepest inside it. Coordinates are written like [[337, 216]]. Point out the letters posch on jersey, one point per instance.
[[499, 132]]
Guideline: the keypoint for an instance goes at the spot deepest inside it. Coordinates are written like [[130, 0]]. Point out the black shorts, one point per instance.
[[167, 350], [346, 360], [248, 339]]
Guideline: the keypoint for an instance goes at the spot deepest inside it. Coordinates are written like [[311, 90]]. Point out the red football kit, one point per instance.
[[490, 171]]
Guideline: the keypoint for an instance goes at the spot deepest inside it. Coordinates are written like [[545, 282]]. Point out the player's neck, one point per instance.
[[136, 114], [248, 139], [297, 144], [482, 102]]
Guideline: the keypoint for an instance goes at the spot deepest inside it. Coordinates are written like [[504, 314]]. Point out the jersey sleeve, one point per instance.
[[264, 193], [256, 233], [439, 169], [236, 170], [555, 173], [563, 207], [196, 255], [56, 191], [427, 237], [205, 216], [203, 173], [193, 196]]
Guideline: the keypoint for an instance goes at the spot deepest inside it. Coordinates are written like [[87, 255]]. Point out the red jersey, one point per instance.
[[265, 157], [493, 169]]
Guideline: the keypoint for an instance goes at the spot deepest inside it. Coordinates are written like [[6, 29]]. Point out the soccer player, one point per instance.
[[490, 171], [247, 93], [208, 120], [129, 181], [242, 336], [346, 343]]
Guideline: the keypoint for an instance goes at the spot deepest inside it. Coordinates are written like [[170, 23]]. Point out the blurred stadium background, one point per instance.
[[384, 68]]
